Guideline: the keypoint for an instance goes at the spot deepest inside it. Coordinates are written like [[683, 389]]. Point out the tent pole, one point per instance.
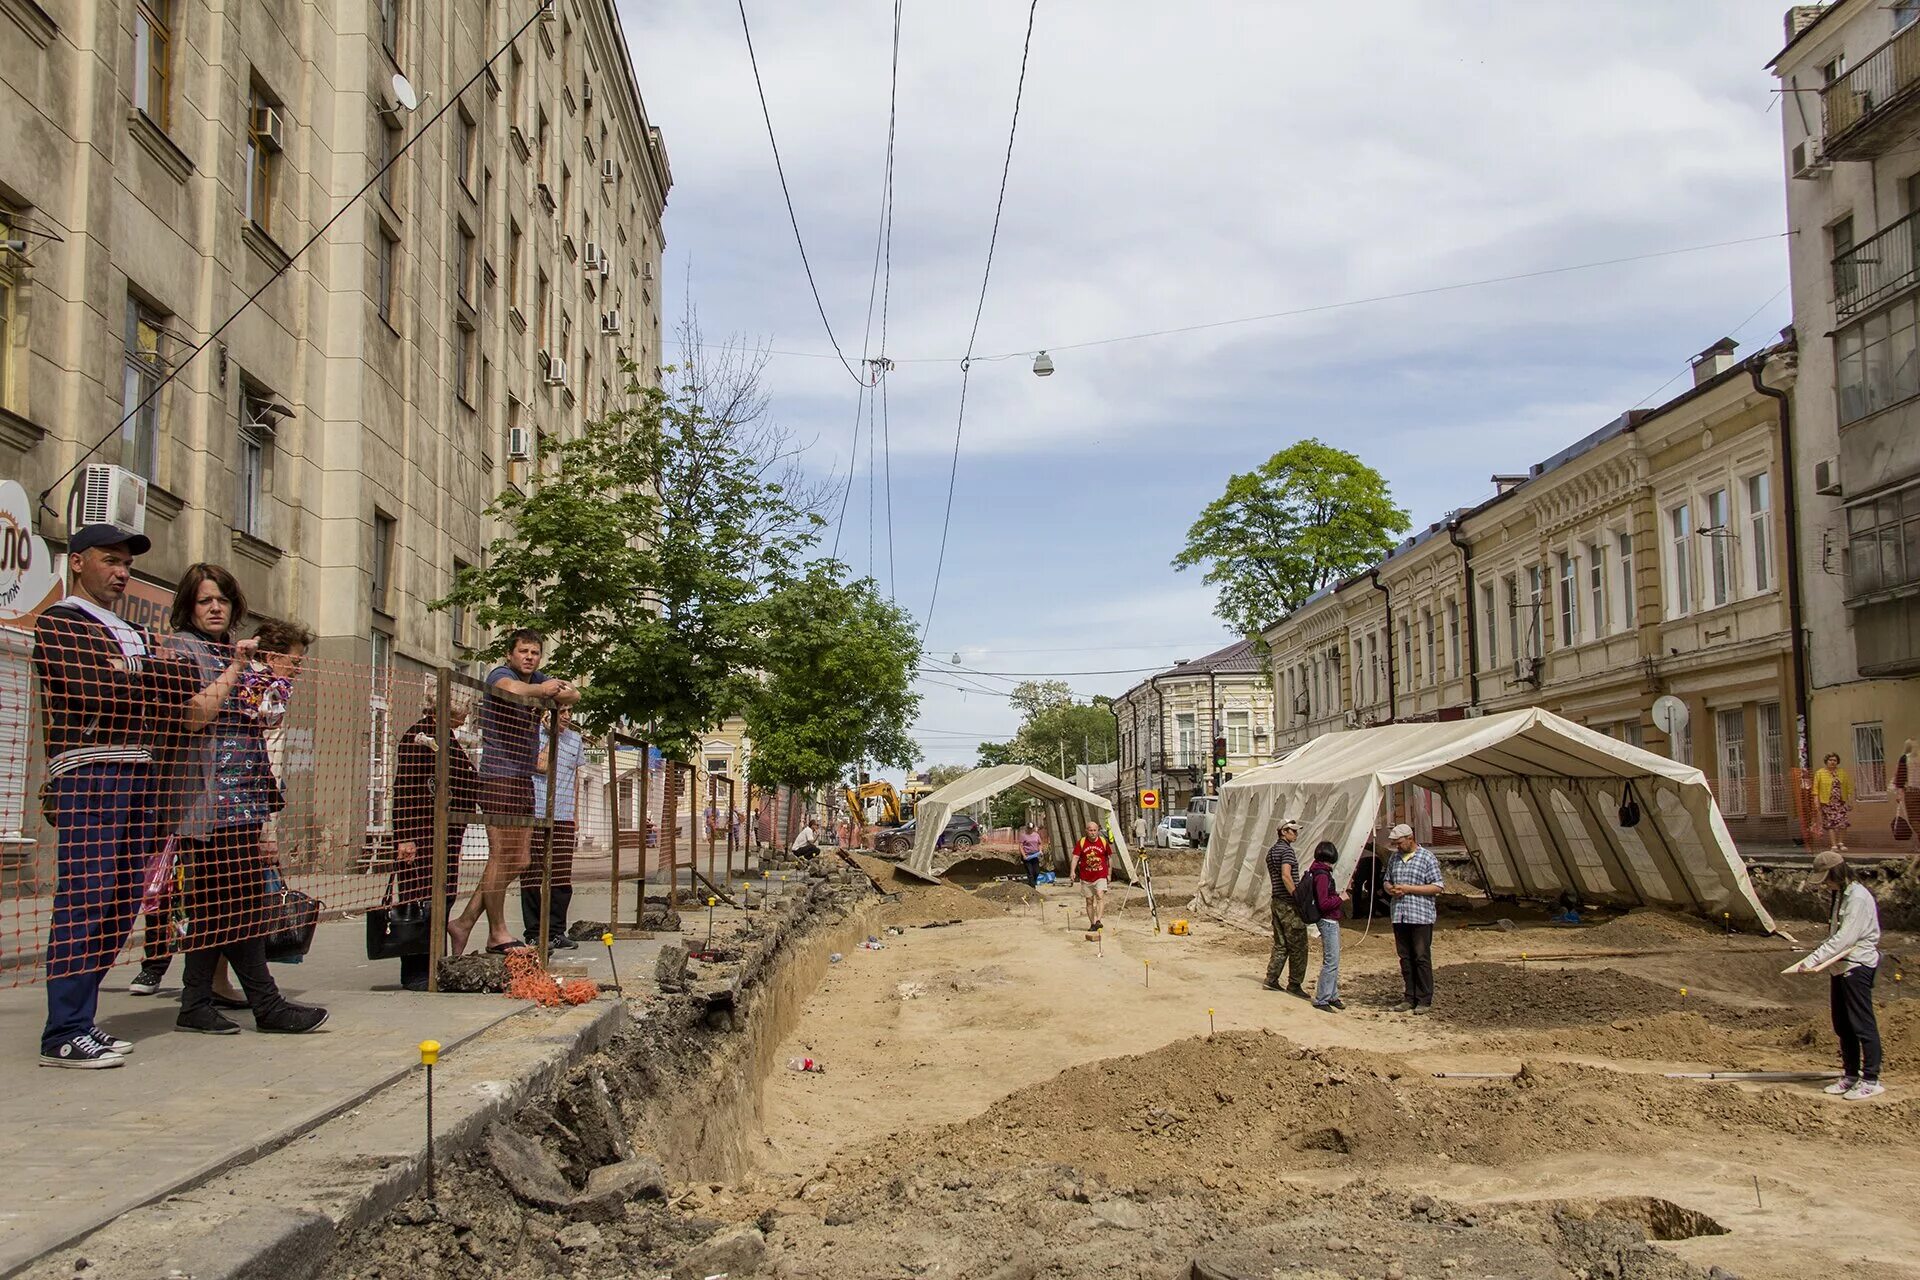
[[1562, 857], [1652, 819]]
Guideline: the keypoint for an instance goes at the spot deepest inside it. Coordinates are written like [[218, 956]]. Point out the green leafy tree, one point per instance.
[[1030, 696], [835, 681], [645, 549], [1057, 735], [940, 775], [1310, 516]]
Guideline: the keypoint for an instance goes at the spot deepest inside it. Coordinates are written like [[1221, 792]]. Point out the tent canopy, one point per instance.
[[1067, 807], [1537, 799]]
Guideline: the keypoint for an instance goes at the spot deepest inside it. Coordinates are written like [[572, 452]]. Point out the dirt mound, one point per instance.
[[920, 902], [1253, 1108], [1481, 994], [1899, 1032], [1016, 892], [1647, 928], [1682, 1038]]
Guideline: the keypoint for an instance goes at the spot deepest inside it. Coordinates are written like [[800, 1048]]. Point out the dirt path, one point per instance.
[[954, 1040]]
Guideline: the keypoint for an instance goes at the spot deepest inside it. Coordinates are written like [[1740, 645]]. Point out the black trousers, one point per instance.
[[1851, 995], [564, 835], [413, 969], [1032, 862], [1414, 943], [227, 915]]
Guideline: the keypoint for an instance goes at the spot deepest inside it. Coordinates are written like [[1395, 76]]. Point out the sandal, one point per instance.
[[507, 948]]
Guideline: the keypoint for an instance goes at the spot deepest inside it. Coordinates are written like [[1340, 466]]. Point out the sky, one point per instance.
[[1180, 165]]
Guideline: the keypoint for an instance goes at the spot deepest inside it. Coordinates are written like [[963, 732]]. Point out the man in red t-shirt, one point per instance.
[[1091, 859]]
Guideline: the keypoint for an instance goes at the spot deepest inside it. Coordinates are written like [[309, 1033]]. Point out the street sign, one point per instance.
[[1149, 799]]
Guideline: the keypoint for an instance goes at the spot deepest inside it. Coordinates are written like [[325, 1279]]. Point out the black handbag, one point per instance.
[[395, 931], [1629, 807], [294, 916]]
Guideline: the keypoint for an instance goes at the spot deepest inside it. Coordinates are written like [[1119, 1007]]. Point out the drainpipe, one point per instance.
[[1213, 730], [1790, 497], [1473, 629], [1159, 725], [1393, 695]]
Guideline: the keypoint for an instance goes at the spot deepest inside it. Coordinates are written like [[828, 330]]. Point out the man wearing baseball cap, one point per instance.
[[1853, 945], [1413, 883], [105, 694], [1289, 930]]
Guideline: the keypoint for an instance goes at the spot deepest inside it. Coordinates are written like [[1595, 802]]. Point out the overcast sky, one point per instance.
[[1183, 164]]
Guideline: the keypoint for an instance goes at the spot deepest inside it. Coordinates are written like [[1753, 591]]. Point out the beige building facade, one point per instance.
[[1646, 559], [1168, 724], [337, 445], [1850, 105]]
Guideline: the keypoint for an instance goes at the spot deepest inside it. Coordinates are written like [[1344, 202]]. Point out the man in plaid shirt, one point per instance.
[[1413, 882]]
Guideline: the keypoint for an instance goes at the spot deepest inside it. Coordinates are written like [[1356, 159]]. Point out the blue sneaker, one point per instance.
[[81, 1052]]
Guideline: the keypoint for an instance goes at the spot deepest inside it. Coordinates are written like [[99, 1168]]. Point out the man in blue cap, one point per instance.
[[105, 695]]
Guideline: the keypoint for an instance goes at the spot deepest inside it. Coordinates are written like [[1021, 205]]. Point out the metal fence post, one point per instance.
[[546, 833], [613, 829]]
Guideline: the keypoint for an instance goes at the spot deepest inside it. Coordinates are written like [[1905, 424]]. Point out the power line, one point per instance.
[[1734, 331], [787, 194], [1119, 671], [292, 258], [966, 363]]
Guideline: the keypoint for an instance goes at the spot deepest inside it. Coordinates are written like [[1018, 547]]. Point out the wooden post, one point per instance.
[[693, 838], [712, 815], [613, 829], [443, 746], [733, 820]]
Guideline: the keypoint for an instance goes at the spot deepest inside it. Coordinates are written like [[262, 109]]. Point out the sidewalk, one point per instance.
[[81, 1147]]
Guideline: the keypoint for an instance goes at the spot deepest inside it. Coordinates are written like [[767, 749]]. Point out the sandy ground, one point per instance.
[[1009, 1040]]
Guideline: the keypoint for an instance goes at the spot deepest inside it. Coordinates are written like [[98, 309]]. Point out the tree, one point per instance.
[[645, 549], [835, 680], [939, 775], [1030, 696], [1056, 734], [1311, 516]]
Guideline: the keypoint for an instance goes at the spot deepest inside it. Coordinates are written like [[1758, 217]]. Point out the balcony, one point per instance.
[[1877, 268], [1873, 106]]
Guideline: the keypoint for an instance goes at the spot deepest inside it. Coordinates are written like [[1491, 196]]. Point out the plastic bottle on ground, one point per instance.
[[806, 1064]]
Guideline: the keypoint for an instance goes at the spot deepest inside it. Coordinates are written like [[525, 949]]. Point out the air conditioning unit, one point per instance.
[[1826, 477], [1353, 719], [609, 170], [556, 372], [268, 125], [1810, 159], [610, 321], [646, 271], [519, 444], [605, 264], [111, 495], [1526, 670], [591, 257], [586, 92]]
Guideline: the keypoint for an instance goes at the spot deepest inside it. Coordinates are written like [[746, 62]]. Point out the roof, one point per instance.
[[1242, 657], [1826, 12]]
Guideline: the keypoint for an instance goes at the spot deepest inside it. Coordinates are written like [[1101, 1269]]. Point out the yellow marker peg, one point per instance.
[[1683, 991], [429, 1052], [711, 901], [607, 939], [1209, 1022]]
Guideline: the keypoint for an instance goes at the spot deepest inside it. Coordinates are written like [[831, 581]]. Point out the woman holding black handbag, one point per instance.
[[413, 804], [223, 785]]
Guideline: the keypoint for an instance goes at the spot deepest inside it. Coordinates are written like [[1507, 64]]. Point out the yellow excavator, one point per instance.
[[876, 803]]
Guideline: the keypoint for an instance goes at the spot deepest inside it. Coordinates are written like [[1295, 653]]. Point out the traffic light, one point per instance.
[[1219, 753]]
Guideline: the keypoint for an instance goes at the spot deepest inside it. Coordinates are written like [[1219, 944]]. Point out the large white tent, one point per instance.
[[1538, 802], [1068, 810]]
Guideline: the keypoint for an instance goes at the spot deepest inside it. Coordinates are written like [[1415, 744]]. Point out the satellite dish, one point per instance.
[[1669, 714], [403, 95]]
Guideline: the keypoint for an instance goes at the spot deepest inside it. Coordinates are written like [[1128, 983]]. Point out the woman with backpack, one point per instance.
[[1320, 905]]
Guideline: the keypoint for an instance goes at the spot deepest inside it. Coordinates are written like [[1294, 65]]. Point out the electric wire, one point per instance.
[[1734, 332], [180, 366], [973, 335], [1117, 671], [780, 169]]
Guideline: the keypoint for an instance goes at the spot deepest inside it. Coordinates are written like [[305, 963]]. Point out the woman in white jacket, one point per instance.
[[1853, 945]]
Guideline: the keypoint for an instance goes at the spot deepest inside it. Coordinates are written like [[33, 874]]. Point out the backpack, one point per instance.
[[1305, 900]]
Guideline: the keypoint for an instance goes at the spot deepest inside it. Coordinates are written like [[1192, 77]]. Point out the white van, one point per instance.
[[1200, 811]]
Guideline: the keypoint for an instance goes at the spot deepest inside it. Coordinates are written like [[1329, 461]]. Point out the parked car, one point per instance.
[[1173, 832], [961, 834], [1200, 811]]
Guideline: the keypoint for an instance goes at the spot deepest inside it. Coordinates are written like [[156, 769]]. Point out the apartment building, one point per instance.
[[1645, 559], [338, 444], [1850, 105], [1168, 722]]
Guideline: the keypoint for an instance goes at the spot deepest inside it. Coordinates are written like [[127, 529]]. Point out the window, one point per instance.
[[1491, 620], [1731, 729], [1373, 665], [1874, 363], [1883, 542], [153, 59], [516, 87], [1183, 724], [464, 342], [381, 577], [386, 277], [1680, 526], [389, 16], [1720, 535], [466, 262], [1239, 733], [1432, 655], [466, 143], [1760, 531], [1633, 733], [263, 158], [1406, 654], [1628, 619], [1453, 638], [1773, 762], [1869, 760], [1597, 589], [387, 140], [7, 289], [1831, 71], [540, 149], [1846, 273], [146, 364], [1513, 617], [543, 309], [1536, 601], [379, 731], [514, 248], [1569, 600], [252, 463], [457, 614]]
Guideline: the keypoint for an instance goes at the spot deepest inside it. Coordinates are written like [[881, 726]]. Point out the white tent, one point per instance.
[[1538, 801], [1068, 810]]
